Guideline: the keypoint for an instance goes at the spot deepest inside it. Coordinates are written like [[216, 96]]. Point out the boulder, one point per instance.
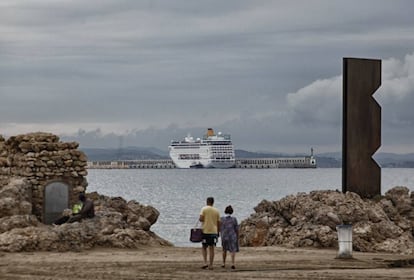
[[310, 220]]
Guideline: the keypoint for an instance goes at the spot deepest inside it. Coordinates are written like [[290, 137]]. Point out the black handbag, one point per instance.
[[196, 234]]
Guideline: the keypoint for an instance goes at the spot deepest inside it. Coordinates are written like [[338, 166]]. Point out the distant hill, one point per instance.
[[129, 153], [386, 160], [247, 154], [395, 160], [324, 160], [327, 162]]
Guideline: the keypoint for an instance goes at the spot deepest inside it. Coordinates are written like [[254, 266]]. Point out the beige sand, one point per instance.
[[185, 263]]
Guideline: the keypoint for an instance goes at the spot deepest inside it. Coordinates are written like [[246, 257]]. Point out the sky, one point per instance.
[[118, 73]]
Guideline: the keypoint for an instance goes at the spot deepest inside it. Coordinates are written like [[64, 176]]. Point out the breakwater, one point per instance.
[[285, 162]]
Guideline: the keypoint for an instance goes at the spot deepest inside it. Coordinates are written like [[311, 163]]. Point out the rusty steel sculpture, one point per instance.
[[361, 131]]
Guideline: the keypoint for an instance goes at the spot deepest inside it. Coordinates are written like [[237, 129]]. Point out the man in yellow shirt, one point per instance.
[[210, 218]]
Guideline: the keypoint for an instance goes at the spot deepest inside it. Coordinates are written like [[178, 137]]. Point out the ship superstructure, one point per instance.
[[211, 151]]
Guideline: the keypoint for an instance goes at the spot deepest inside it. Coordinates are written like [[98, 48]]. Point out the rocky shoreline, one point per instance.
[[385, 224], [302, 220], [117, 224]]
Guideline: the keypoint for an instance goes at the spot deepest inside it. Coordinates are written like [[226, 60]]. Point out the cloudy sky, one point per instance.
[[140, 73]]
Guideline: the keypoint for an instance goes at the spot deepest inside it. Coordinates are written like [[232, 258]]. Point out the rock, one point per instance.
[[400, 198], [118, 223], [148, 212], [305, 220], [17, 221]]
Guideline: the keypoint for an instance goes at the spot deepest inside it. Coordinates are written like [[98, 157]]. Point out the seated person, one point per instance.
[[87, 210], [67, 213]]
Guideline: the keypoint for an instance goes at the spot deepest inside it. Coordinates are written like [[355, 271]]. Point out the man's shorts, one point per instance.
[[209, 240]]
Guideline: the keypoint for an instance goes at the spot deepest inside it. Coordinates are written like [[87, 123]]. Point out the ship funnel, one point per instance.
[[210, 132]]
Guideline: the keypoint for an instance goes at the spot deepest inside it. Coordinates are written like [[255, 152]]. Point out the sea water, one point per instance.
[[179, 194]]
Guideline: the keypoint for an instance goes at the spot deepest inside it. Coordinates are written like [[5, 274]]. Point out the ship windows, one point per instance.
[[187, 147], [189, 156]]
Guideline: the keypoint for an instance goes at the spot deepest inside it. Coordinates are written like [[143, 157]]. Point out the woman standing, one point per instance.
[[229, 231]]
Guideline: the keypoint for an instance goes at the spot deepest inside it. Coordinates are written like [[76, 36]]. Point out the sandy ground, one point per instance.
[[185, 263]]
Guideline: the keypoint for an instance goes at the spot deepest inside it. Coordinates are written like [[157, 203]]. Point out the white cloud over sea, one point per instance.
[[139, 73]]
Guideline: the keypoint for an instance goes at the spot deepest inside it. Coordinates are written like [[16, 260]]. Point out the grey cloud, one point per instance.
[[320, 102], [155, 70]]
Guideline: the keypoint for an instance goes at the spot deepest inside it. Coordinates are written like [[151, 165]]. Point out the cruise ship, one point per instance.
[[212, 151]]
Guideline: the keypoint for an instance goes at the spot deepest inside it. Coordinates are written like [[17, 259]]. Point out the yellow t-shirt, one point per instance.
[[211, 218], [76, 208]]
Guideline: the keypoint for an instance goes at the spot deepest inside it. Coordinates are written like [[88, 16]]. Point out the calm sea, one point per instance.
[[179, 194]]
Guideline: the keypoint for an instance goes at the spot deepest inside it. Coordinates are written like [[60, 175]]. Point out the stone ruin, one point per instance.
[[54, 170], [383, 224], [39, 178]]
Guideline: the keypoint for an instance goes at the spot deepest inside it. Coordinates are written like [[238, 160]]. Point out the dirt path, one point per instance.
[[185, 263]]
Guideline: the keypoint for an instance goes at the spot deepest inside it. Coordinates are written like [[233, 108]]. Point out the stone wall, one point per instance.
[[41, 159]]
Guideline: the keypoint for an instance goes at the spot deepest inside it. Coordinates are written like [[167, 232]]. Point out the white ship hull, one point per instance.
[[203, 164], [213, 151], [222, 164]]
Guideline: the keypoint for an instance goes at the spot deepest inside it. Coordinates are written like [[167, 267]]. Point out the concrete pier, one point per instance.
[[288, 162], [132, 164]]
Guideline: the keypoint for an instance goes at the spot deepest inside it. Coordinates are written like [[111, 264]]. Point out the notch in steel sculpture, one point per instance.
[[361, 130]]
